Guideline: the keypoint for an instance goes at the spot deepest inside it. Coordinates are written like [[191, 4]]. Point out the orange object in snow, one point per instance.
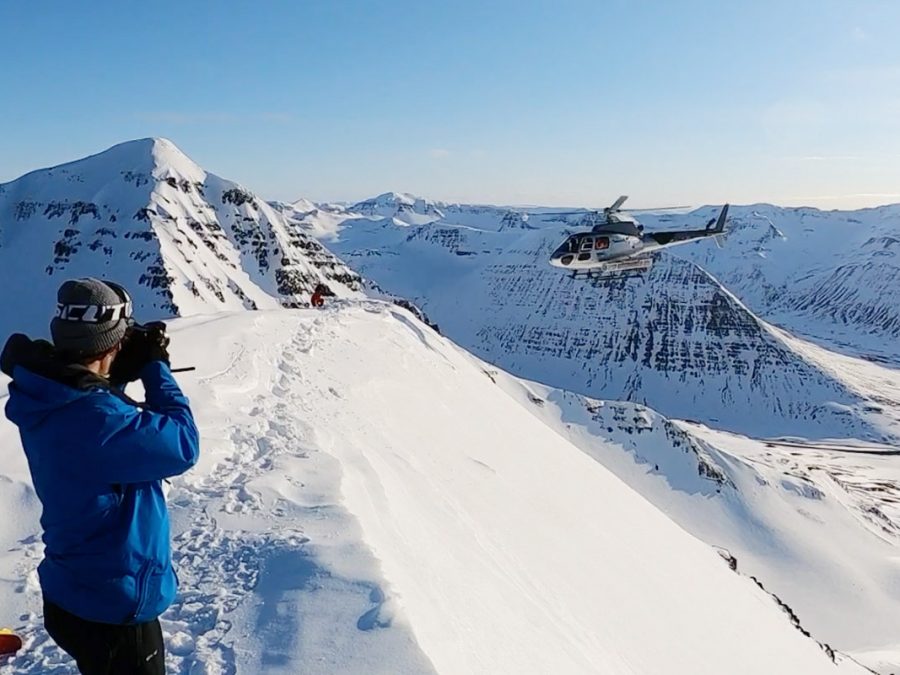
[[10, 643], [317, 300]]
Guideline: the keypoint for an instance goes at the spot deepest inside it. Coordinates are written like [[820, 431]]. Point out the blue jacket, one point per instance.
[[97, 462]]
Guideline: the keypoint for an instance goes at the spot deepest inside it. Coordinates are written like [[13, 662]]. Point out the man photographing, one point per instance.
[[97, 460]]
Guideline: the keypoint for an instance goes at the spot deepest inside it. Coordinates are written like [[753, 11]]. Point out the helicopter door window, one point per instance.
[[587, 243], [601, 243]]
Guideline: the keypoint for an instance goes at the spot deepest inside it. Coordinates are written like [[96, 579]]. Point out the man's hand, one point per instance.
[[142, 345]]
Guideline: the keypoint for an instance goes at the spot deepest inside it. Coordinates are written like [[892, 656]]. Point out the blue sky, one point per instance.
[[571, 102]]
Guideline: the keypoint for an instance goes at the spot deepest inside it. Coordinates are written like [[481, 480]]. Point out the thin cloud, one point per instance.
[[859, 34], [180, 118], [439, 153], [789, 117], [183, 118], [855, 200], [854, 195], [840, 158], [823, 158], [864, 76], [278, 117]]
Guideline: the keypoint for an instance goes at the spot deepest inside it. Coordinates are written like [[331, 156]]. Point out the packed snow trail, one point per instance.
[[273, 575], [367, 500]]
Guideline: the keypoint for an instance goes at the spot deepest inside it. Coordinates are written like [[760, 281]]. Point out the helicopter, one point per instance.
[[617, 242]]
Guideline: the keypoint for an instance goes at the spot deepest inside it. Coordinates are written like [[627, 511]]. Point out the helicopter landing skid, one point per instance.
[[616, 270]]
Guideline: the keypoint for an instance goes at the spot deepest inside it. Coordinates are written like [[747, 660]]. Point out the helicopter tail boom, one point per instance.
[[714, 228]]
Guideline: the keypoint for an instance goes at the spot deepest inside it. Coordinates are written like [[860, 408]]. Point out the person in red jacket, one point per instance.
[[318, 297], [317, 300]]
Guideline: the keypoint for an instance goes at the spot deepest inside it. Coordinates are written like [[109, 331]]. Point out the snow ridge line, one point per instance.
[[220, 567], [260, 539], [265, 558], [834, 655]]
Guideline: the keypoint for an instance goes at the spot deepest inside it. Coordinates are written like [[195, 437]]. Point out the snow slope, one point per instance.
[[817, 523], [368, 500], [143, 214]]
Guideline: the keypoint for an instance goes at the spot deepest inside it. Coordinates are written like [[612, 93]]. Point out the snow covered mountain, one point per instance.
[[675, 339], [402, 207], [320, 221], [370, 498], [142, 213], [829, 275]]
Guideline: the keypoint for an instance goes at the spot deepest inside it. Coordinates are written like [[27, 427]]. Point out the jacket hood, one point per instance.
[[42, 383]]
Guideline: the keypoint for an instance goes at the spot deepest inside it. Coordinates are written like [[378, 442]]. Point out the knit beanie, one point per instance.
[[91, 317]]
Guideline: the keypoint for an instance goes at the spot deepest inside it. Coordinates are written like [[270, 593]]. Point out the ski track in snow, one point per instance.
[[223, 570]]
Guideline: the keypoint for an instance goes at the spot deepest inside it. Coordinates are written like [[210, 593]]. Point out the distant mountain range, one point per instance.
[[830, 275], [685, 338], [680, 338]]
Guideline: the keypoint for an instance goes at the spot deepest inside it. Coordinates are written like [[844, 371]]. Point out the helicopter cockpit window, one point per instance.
[[587, 243], [601, 242]]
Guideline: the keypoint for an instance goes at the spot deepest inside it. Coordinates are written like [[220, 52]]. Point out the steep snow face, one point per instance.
[[825, 274], [674, 338], [369, 500], [817, 523], [181, 239]]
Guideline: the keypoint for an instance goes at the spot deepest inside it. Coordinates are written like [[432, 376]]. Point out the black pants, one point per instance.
[[107, 649]]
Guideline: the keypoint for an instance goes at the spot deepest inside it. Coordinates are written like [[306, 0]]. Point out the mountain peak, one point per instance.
[[403, 207], [156, 157], [168, 157], [182, 240]]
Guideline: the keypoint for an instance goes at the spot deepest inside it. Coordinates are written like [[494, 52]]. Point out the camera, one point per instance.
[[142, 343]]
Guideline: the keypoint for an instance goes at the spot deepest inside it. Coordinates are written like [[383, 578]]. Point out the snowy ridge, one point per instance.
[[674, 339], [342, 520], [181, 239], [817, 523]]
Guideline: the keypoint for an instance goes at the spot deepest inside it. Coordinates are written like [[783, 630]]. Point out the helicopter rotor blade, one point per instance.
[[557, 213], [617, 204], [658, 209]]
